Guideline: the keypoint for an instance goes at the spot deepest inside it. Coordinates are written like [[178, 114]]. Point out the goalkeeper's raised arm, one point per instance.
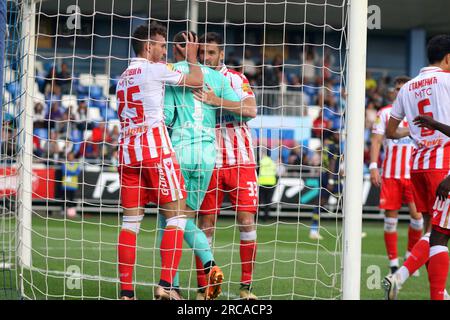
[[194, 78]]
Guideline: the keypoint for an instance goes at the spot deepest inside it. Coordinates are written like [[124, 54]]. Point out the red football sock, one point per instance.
[[419, 255], [390, 240], [248, 255], [437, 272], [171, 250], [201, 277], [414, 236], [127, 258]]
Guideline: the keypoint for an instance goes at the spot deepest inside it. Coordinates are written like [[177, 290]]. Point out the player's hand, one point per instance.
[[424, 121], [207, 96], [443, 189], [191, 47], [375, 178]]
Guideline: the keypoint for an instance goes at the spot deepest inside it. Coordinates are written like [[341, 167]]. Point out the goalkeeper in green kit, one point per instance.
[[192, 132]]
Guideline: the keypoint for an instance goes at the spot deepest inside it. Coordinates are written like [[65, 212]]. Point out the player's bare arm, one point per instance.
[[245, 108], [194, 79], [393, 131], [376, 141], [428, 122]]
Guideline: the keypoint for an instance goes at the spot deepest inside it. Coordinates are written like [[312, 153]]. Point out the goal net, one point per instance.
[[59, 231]]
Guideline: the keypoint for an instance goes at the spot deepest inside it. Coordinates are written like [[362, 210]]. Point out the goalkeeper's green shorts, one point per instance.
[[197, 163]]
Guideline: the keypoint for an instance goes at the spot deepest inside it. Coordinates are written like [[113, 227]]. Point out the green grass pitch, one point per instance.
[[289, 264]]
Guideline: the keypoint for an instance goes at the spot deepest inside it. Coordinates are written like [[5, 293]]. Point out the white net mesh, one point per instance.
[[294, 56]]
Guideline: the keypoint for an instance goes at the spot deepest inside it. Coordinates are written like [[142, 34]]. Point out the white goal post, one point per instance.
[[354, 149]]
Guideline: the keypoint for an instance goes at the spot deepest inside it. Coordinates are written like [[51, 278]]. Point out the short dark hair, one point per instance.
[[212, 37], [401, 80], [146, 32], [178, 38], [438, 47]]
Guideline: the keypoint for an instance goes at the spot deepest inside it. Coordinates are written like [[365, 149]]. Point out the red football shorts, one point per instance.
[[159, 182], [395, 192], [239, 182], [425, 184]]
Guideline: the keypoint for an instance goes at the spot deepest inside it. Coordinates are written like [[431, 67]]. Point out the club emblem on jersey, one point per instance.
[[378, 120], [246, 87], [168, 165]]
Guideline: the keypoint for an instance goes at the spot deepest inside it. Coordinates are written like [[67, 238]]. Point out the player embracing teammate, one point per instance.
[[423, 98], [395, 182], [148, 168]]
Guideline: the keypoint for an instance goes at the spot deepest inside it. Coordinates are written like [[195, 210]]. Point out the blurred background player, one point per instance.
[[329, 178], [235, 170], [427, 94], [148, 169], [395, 183], [267, 181], [192, 125], [71, 170]]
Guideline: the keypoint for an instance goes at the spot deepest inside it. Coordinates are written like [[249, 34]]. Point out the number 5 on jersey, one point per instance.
[[425, 132]]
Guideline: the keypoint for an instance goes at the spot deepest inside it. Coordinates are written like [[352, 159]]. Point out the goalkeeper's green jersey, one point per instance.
[[190, 120]]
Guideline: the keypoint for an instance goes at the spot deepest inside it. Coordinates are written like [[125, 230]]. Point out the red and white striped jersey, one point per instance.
[[233, 137], [426, 94], [397, 160], [140, 93]]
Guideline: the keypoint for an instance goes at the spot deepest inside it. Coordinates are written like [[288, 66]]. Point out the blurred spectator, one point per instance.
[[64, 79], [295, 156], [296, 86], [114, 140], [319, 125], [248, 65], [333, 114], [39, 116], [53, 95], [50, 80], [82, 117], [67, 123], [309, 66], [371, 84], [9, 136], [51, 149], [70, 171], [55, 115]]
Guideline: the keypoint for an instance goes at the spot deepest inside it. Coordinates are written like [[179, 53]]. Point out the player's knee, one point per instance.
[[248, 236], [390, 224], [416, 224], [246, 220], [132, 223]]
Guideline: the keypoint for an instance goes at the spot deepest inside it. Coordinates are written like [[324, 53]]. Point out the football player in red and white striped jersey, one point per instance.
[[148, 168], [427, 94], [235, 170], [396, 188]]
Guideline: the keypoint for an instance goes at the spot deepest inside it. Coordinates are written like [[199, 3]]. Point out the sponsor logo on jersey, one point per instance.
[[225, 118]]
